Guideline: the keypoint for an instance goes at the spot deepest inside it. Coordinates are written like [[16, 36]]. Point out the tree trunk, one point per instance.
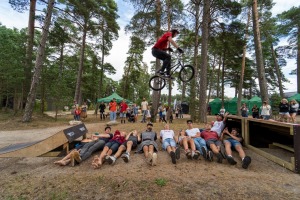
[[298, 61], [77, 97], [192, 109], [239, 100], [204, 57], [29, 49], [223, 75], [258, 54], [211, 80], [38, 64], [218, 78], [278, 71], [156, 94]]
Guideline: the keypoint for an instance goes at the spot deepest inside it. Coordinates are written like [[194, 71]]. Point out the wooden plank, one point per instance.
[[284, 147], [51, 154], [273, 158]]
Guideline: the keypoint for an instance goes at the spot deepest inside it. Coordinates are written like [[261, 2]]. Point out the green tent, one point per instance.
[[254, 101], [296, 97], [231, 105], [215, 106], [109, 98]]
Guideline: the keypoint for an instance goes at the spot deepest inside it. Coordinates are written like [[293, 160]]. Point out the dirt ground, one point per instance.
[[39, 178]]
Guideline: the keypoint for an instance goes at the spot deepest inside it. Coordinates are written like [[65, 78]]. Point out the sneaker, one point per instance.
[[177, 153], [196, 155], [159, 72], [188, 155], [110, 159], [223, 152], [149, 160], [125, 157], [204, 152], [210, 156], [246, 162], [231, 160], [219, 158], [173, 157], [154, 159], [76, 156], [169, 76]]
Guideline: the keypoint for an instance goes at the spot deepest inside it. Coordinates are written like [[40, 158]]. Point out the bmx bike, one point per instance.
[[186, 73]]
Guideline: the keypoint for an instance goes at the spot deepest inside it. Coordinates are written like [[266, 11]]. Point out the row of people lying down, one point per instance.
[[194, 143]]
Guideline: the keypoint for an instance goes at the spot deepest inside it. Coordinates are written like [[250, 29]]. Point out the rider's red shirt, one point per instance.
[[162, 42]]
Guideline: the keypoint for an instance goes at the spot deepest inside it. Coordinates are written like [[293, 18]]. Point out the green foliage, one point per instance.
[[161, 182]]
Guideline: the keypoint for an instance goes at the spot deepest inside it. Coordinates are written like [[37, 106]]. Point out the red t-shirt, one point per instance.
[[113, 106], [208, 135], [123, 107], [162, 43]]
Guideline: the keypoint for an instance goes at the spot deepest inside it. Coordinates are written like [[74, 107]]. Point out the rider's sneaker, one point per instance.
[[169, 76], [160, 72]]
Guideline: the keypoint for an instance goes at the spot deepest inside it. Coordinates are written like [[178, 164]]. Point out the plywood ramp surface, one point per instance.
[[33, 149]]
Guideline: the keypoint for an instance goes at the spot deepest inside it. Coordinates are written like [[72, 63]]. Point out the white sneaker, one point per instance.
[[154, 159], [111, 160], [125, 157]]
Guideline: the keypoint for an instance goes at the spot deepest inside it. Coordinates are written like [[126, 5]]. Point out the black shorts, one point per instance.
[[134, 144], [114, 146]]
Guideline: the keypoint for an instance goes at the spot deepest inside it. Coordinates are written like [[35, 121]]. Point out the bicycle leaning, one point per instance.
[[186, 73]]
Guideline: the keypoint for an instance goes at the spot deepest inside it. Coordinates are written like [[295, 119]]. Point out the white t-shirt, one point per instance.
[[144, 105], [192, 132], [218, 127], [165, 134], [265, 110]]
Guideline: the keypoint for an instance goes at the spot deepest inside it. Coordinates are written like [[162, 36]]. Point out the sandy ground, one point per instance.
[[39, 178]]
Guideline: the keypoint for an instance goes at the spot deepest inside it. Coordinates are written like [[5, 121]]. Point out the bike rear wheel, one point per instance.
[[186, 73], [157, 83]]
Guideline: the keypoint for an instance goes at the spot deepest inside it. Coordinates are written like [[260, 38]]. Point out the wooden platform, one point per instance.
[[46, 146]]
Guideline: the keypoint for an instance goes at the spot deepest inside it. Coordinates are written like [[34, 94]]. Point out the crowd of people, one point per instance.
[[214, 140], [287, 110], [130, 112]]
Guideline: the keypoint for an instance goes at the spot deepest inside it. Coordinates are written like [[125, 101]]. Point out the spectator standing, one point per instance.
[[144, 106], [244, 110], [284, 110], [102, 110], [123, 111], [255, 111], [135, 111], [265, 111], [113, 110], [294, 106]]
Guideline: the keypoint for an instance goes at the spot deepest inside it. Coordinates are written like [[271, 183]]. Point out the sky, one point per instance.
[[117, 57]]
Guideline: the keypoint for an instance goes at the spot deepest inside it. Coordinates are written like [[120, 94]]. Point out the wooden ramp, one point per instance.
[[34, 149], [43, 147]]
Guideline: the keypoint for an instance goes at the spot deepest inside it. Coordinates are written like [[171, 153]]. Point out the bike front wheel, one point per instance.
[[157, 83], [186, 73]]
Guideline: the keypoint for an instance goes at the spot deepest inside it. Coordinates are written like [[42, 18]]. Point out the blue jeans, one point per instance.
[[200, 142], [144, 115], [165, 57], [91, 147], [168, 142], [233, 142], [112, 116]]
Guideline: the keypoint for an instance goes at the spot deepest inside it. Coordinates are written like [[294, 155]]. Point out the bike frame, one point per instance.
[[176, 65]]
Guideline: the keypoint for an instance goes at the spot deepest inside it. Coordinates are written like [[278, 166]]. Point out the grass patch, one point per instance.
[[161, 182], [59, 195]]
